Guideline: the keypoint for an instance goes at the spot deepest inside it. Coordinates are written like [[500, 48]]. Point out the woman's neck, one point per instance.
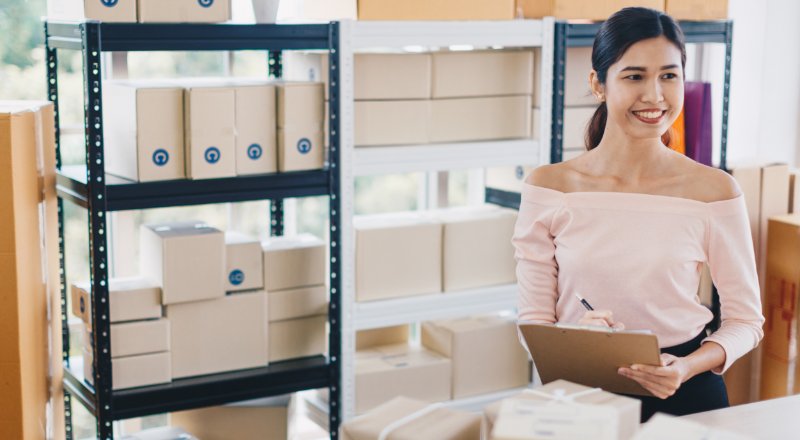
[[629, 160]]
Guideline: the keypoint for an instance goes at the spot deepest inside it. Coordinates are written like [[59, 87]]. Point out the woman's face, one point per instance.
[[644, 89]]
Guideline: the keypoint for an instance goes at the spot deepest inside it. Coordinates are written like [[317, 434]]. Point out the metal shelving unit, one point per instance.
[[422, 158], [89, 187]]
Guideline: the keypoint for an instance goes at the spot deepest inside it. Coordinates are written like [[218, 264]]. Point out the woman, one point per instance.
[[628, 225]]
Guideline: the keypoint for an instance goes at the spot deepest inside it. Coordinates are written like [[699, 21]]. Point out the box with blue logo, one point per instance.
[[184, 11], [301, 114], [243, 262], [143, 129], [256, 142], [209, 112], [103, 10], [130, 299]]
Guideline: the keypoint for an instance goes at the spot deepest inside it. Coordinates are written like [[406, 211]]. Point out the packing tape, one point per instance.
[[559, 395], [388, 429]]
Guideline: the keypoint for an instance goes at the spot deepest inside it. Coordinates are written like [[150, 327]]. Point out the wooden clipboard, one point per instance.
[[590, 356]]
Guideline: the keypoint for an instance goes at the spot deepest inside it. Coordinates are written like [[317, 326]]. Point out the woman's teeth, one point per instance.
[[649, 115]]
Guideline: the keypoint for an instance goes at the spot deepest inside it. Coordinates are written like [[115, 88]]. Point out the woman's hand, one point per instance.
[[662, 381], [603, 318]]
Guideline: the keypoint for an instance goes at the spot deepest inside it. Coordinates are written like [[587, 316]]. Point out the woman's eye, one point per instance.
[[634, 77], [670, 76]]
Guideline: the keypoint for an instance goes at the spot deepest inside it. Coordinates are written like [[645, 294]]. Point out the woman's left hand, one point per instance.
[[662, 381]]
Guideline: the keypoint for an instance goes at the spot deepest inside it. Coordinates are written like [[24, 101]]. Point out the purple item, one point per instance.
[[697, 122]]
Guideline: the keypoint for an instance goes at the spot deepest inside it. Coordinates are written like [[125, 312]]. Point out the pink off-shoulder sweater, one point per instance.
[[640, 256]]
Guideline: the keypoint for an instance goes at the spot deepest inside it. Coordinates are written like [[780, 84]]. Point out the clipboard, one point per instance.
[[590, 355]]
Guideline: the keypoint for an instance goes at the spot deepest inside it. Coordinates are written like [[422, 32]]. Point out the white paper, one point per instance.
[[524, 419], [664, 427]]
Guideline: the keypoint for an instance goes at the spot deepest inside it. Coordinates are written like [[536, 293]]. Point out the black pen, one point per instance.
[[585, 303]]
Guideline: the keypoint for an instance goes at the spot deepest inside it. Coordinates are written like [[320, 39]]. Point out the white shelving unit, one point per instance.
[[375, 36]]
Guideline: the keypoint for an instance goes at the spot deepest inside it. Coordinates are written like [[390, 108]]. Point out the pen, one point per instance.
[[585, 303]]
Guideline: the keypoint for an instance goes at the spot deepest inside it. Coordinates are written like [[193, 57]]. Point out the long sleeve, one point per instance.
[[537, 270], [732, 263]]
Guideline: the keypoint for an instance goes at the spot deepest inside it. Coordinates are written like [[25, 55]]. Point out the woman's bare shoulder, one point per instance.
[[552, 176], [709, 184]]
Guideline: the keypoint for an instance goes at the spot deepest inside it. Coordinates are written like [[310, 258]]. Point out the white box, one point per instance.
[[461, 74], [187, 259], [132, 371], [103, 10], [210, 131], [243, 260], [224, 334], [143, 129], [184, 11], [293, 261], [129, 299], [256, 129], [135, 337]]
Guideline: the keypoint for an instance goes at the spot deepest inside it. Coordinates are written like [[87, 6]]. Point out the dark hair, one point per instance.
[[626, 27]]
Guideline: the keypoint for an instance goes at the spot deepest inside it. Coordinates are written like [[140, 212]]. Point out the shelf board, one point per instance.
[[192, 36], [508, 199], [123, 194], [389, 312], [582, 34], [396, 34], [202, 391], [441, 157]]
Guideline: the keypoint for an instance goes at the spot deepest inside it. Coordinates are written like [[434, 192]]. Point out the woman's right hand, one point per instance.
[[603, 318]]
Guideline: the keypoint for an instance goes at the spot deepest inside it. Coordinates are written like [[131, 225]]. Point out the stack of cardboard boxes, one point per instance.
[[208, 128], [143, 11], [216, 314]]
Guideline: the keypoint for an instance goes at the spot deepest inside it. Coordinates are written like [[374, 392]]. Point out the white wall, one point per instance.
[[765, 81]]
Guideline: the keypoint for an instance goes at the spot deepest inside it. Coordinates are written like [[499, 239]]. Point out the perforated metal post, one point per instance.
[[275, 66], [559, 69], [98, 253], [334, 309]]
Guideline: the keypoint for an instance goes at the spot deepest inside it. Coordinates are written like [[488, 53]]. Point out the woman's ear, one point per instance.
[[598, 90]]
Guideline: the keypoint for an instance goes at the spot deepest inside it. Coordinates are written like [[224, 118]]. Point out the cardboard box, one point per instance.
[[392, 122], [301, 112], [474, 119], [576, 120], [129, 299], [256, 129], [297, 338], [243, 262], [485, 353], [104, 10], [162, 433], [187, 259], [686, 429], [397, 255], [297, 303], [477, 250], [184, 11], [134, 338], [794, 192], [316, 10], [780, 344], [621, 418], [366, 339], [144, 131], [577, 92], [28, 241], [384, 373], [439, 424], [224, 334], [591, 10], [697, 10], [482, 73], [436, 10], [234, 422], [210, 131], [132, 371], [774, 202], [294, 261]]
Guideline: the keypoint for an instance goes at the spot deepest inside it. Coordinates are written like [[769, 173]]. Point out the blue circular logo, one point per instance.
[[254, 151], [83, 305], [212, 155], [160, 157], [304, 146], [109, 3], [205, 3], [236, 277], [520, 172]]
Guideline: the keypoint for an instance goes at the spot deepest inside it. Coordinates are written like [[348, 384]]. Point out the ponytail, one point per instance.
[[597, 126]]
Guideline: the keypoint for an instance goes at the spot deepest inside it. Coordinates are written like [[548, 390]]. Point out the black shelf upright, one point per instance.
[[89, 187]]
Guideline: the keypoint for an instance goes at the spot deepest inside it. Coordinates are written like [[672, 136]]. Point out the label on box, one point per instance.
[[524, 418]]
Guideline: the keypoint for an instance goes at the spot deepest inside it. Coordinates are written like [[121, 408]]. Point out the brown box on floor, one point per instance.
[[223, 334], [144, 130], [187, 259], [385, 372], [697, 10], [184, 11], [477, 250], [462, 74], [130, 299], [102, 10], [300, 126], [485, 353], [438, 424], [28, 213], [780, 344], [397, 255], [485, 118], [592, 10], [436, 10]]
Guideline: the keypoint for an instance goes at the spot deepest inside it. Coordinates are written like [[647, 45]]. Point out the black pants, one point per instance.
[[704, 392]]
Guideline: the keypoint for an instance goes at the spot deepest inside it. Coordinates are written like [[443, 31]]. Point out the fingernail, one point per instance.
[[634, 367]]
